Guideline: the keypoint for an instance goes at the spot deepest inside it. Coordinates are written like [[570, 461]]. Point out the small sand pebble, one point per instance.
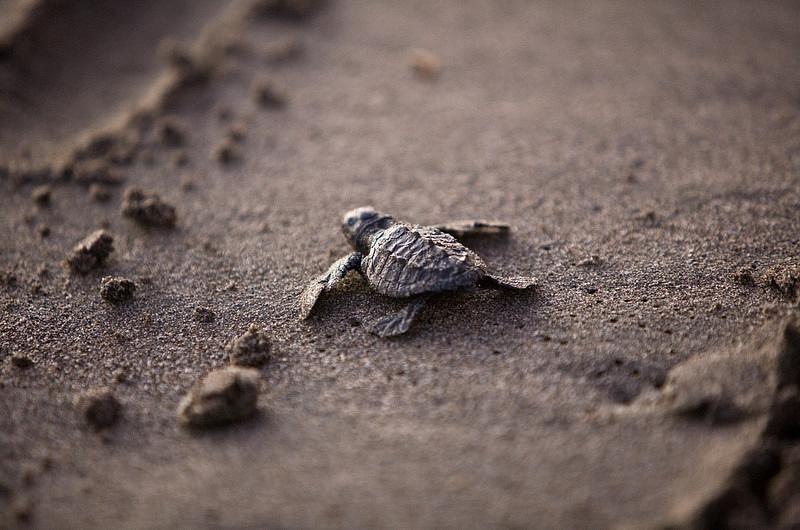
[[235, 45], [744, 276], [108, 148], [649, 219], [148, 208], [237, 131], [28, 474], [180, 159], [224, 396], [22, 508], [226, 152], [91, 252], [425, 64], [42, 195], [784, 278], [204, 314], [171, 132], [119, 375], [187, 184], [99, 408], [96, 171], [44, 231], [267, 95], [99, 193], [223, 113], [29, 217], [283, 50], [8, 278], [48, 462], [117, 290], [253, 348], [592, 261], [176, 55], [21, 361]]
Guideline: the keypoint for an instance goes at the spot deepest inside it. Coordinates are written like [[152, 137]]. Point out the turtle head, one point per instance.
[[361, 224]]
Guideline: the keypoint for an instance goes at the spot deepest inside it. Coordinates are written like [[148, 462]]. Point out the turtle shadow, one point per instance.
[[445, 312], [481, 308], [468, 312]]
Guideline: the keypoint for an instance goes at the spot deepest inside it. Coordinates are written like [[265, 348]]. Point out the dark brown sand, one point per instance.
[[647, 156]]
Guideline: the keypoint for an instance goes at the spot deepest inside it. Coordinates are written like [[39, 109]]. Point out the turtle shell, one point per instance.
[[407, 260]]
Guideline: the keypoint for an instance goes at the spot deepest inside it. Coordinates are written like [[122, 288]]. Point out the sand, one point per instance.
[[644, 156]]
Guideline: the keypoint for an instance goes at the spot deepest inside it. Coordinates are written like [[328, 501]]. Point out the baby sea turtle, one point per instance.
[[409, 261]]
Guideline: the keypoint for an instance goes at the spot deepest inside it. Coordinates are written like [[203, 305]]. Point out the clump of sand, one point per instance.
[[21, 361], [99, 408], [785, 279], [226, 152], [224, 396], [87, 172], [283, 50], [91, 252], [42, 195], [99, 193], [253, 348], [171, 132], [268, 95], [117, 290], [425, 64], [148, 208], [204, 315]]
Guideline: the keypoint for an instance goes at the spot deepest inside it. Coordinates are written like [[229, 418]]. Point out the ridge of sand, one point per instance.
[[98, 83]]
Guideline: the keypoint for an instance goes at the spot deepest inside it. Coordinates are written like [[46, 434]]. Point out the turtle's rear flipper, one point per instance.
[[399, 322], [325, 282], [510, 282], [475, 227]]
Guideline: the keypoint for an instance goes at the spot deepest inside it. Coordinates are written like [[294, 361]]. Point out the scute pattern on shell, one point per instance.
[[407, 260]]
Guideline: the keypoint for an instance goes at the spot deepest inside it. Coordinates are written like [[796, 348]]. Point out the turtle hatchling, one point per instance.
[[408, 261]]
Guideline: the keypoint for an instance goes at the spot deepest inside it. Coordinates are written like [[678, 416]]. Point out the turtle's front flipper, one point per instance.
[[511, 282], [325, 282], [475, 227], [399, 322]]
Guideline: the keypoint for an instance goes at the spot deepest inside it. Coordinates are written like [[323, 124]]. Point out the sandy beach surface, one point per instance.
[[646, 155]]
